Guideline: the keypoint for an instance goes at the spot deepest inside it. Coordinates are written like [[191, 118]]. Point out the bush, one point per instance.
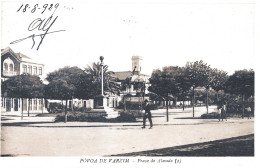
[[95, 117], [135, 106], [213, 115], [81, 109], [135, 113], [235, 104], [121, 105], [154, 107], [82, 117], [234, 107], [55, 108], [126, 117], [59, 108]]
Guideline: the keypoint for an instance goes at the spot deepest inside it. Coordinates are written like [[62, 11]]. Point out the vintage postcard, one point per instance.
[[114, 83]]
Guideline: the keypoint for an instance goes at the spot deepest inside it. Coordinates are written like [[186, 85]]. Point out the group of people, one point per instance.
[[222, 113]]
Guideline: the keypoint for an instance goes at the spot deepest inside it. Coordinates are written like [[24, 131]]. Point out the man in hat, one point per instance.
[[147, 114]]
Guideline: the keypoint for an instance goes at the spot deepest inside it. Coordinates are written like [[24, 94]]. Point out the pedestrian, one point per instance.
[[219, 108], [224, 112], [147, 114], [219, 113], [248, 111]]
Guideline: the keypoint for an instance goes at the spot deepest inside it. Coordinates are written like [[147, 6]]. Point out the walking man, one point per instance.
[[147, 114], [224, 112]]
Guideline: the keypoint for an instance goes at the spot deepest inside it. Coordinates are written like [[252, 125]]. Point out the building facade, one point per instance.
[[15, 64], [136, 83]]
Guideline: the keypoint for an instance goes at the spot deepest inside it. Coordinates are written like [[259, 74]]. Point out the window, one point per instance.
[[11, 67], [40, 71], [35, 70], [24, 68], [29, 69], [7, 63], [5, 67]]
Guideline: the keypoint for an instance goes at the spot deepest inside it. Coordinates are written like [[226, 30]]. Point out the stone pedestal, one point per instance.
[[100, 102], [100, 106]]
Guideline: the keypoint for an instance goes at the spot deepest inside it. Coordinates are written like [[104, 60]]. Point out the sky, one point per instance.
[[163, 33]]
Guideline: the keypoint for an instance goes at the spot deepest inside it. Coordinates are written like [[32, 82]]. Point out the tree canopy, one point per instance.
[[23, 86], [163, 82], [241, 82], [68, 82]]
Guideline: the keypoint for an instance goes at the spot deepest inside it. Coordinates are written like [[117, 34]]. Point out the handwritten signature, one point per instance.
[[43, 25]]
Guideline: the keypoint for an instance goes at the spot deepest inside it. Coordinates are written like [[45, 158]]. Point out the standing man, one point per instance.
[[147, 114], [248, 111]]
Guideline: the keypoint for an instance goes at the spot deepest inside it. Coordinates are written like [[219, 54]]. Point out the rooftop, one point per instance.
[[122, 75], [21, 57]]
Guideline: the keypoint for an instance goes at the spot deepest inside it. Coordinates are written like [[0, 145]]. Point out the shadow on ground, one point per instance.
[[188, 118], [6, 119], [23, 123], [237, 146]]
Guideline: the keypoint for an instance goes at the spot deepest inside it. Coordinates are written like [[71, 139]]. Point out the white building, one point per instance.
[[133, 77], [12, 64]]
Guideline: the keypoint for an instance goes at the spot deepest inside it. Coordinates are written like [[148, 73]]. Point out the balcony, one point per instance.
[[9, 73]]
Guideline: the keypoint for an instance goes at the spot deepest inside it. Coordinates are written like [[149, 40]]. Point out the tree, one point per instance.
[[218, 83], [220, 79], [183, 84], [214, 78], [68, 83], [197, 74], [241, 83], [110, 84], [163, 83], [24, 86], [126, 83]]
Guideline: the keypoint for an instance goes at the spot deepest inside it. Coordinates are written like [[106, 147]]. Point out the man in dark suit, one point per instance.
[[147, 114]]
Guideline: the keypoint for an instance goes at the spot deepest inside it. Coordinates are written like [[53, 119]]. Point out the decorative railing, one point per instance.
[[9, 73]]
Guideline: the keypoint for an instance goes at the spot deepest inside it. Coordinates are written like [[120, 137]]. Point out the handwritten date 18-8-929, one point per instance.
[[39, 26], [26, 7]]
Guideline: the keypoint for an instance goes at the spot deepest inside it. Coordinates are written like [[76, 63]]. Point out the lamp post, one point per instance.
[[102, 75]]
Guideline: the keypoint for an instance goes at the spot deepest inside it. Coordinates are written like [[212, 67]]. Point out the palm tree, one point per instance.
[[110, 85]]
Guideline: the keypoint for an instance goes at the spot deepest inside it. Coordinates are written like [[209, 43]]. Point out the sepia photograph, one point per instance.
[[116, 83]]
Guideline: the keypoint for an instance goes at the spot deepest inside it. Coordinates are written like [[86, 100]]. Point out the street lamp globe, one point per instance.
[[101, 59]]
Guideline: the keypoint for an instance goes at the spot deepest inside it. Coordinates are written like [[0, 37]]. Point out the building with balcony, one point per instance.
[[17, 63], [12, 64], [134, 83]]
